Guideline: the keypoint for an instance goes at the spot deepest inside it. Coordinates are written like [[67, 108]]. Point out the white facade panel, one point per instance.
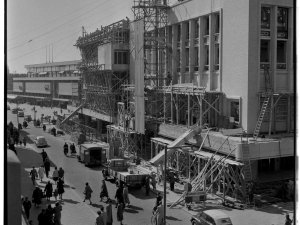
[[68, 89], [38, 87], [18, 87]]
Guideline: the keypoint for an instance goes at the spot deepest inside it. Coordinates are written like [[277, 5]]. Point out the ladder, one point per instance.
[[247, 165], [261, 117]]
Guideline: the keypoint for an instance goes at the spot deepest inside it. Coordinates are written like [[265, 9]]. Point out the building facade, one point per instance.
[[54, 83]]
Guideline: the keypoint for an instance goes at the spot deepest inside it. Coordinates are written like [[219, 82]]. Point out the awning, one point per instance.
[[61, 72], [12, 97], [43, 73]]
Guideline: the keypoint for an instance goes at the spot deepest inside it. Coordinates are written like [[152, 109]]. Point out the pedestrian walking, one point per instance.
[[61, 173], [37, 195], [288, 221], [57, 213], [99, 219], [55, 193], [103, 192], [33, 175], [41, 172], [47, 167], [49, 215], [125, 196], [41, 217], [60, 187], [87, 193], [153, 182], [172, 182], [147, 185], [24, 141], [27, 207], [109, 217], [119, 195], [66, 149], [104, 215], [159, 214], [55, 175], [44, 155], [120, 211], [48, 190]]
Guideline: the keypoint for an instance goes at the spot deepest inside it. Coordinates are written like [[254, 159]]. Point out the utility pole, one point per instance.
[[165, 185]]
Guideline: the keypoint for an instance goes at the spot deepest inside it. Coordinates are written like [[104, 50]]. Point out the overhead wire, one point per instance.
[[59, 26], [51, 21], [121, 5]]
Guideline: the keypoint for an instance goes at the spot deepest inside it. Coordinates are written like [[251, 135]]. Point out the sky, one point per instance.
[[35, 27]]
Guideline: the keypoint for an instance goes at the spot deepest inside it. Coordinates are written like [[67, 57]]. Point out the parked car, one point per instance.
[[20, 113], [40, 141], [211, 217]]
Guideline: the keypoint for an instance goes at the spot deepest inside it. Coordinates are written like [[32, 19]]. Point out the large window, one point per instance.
[[265, 17], [217, 56], [179, 32], [282, 23], [235, 110], [121, 57], [217, 27], [197, 26], [206, 65], [206, 30], [264, 53], [281, 55]]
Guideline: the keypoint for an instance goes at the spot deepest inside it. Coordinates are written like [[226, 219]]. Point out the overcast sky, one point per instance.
[[34, 24]]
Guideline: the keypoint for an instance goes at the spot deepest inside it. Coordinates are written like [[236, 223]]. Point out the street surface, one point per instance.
[[76, 175]]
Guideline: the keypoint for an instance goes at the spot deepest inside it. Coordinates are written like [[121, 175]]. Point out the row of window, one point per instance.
[[52, 68], [267, 13]]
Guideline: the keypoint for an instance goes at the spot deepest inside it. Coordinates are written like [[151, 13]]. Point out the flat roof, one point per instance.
[[54, 63]]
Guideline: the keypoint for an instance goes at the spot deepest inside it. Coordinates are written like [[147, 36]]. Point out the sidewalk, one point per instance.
[[74, 212]]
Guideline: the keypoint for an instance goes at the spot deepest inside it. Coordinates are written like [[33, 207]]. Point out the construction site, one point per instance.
[[163, 83]]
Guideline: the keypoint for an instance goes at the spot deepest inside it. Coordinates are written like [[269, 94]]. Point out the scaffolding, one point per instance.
[[101, 85]]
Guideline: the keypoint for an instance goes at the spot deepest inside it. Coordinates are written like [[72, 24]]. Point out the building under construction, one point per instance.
[[216, 90]]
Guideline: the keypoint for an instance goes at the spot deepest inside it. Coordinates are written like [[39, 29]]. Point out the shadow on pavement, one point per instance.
[[279, 208], [135, 207], [25, 133], [30, 158], [141, 194], [129, 210], [96, 205], [69, 201], [172, 218]]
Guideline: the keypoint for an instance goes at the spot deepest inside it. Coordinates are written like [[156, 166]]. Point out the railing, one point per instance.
[[196, 41], [281, 66], [206, 39], [264, 65], [178, 44], [217, 38]]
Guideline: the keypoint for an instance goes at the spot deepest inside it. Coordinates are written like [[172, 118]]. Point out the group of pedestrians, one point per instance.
[[50, 215], [72, 149], [105, 216]]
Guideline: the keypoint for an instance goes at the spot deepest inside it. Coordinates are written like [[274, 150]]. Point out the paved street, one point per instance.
[[76, 174], [140, 212]]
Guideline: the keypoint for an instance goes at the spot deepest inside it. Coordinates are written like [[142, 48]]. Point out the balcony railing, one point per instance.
[[264, 65], [196, 41], [217, 38], [206, 67], [178, 44], [187, 43], [281, 66], [206, 39], [196, 68]]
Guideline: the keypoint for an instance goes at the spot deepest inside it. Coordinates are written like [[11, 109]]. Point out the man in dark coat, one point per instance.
[[41, 217], [47, 166], [37, 196], [27, 207], [44, 155], [119, 195]]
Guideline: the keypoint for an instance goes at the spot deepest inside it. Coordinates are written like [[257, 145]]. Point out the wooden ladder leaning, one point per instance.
[[261, 117]]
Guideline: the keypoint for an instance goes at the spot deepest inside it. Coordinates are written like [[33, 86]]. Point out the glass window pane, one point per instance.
[[265, 17], [217, 28], [265, 51], [282, 22], [206, 32], [197, 28]]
